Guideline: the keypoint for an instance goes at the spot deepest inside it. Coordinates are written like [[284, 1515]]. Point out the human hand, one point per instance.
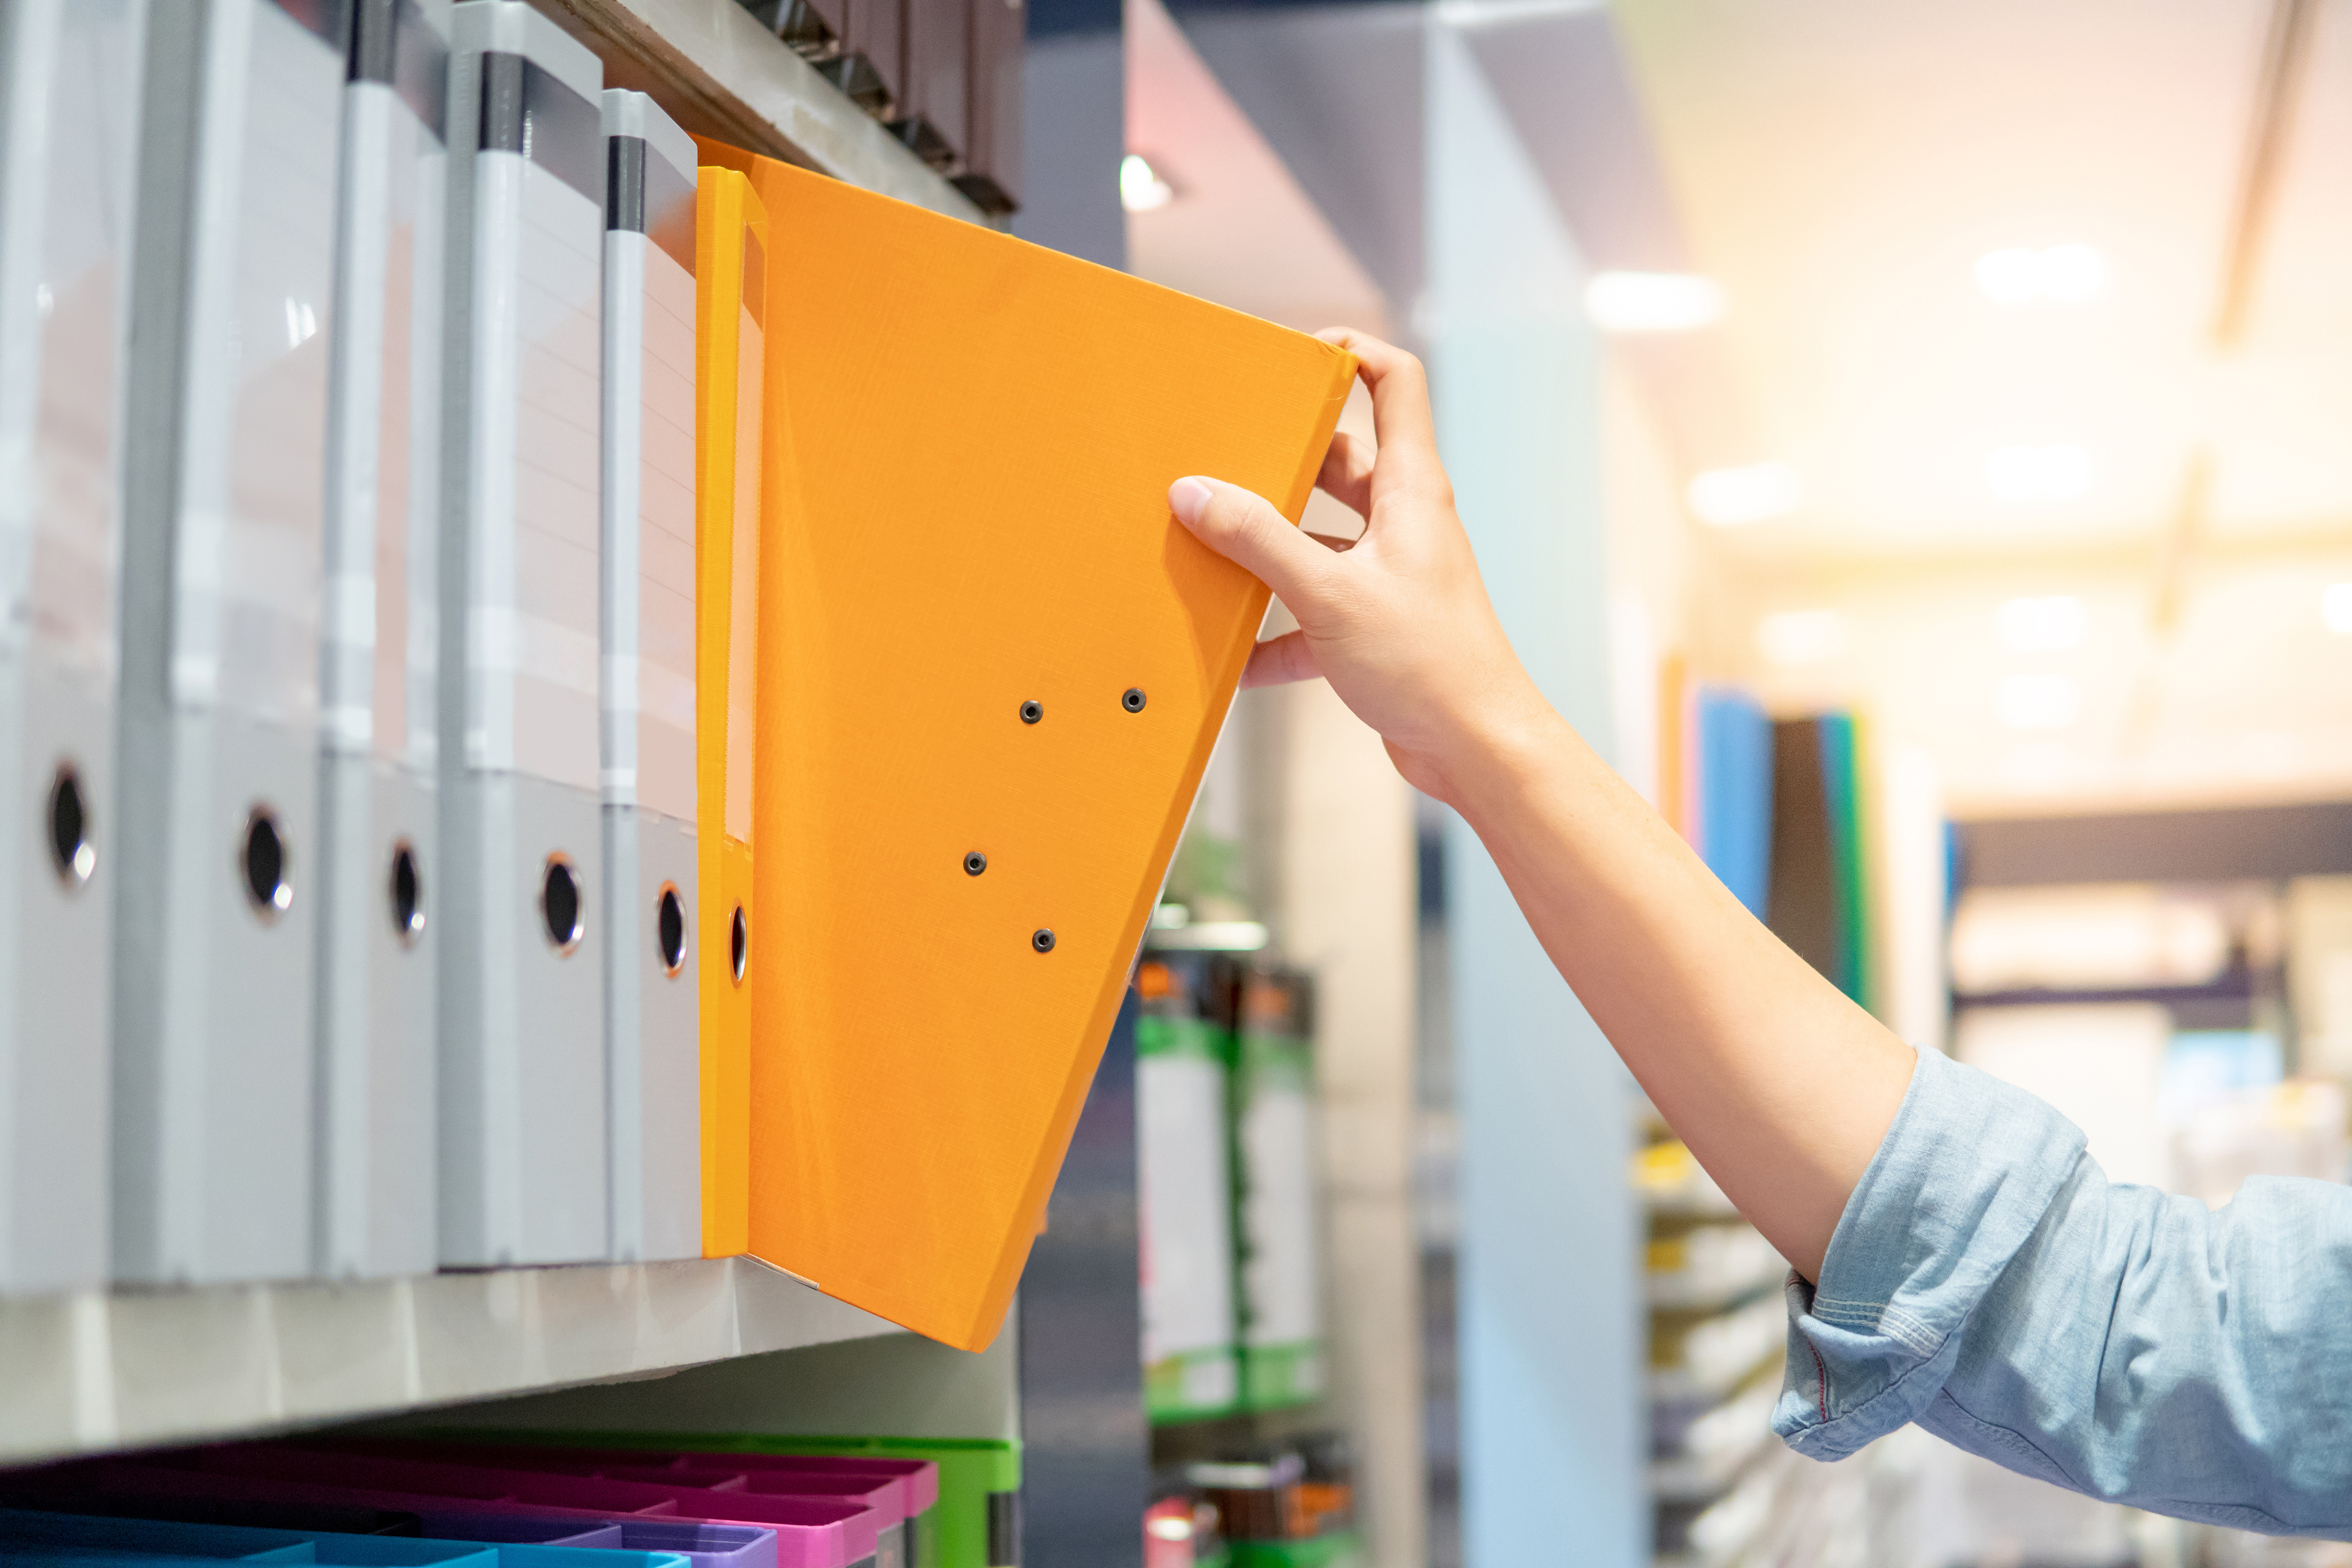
[[1398, 622]]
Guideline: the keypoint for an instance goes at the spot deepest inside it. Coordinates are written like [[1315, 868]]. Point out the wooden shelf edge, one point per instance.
[[98, 1371], [719, 74]]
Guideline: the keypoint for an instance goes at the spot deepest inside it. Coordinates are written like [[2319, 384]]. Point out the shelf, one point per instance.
[[99, 1371], [721, 74], [1713, 1290]]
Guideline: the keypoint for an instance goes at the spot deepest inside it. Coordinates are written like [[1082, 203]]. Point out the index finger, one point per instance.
[[1402, 421]]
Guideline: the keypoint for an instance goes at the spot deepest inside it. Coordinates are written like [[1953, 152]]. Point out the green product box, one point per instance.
[[1182, 1046], [1338, 1550], [1274, 1220]]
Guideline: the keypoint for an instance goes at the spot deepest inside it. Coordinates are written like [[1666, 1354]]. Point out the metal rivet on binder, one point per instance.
[[1134, 699], [669, 931], [1043, 941], [561, 905], [1032, 711], [408, 894], [974, 864], [70, 850], [263, 861]]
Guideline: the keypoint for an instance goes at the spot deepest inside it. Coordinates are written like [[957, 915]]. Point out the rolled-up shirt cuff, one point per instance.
[[1960, 1181]]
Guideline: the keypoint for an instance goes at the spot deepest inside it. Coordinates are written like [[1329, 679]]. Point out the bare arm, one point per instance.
[[1781, 1085]]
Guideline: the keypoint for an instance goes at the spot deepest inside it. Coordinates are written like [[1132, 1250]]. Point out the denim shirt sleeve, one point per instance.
[[1989, 1282]]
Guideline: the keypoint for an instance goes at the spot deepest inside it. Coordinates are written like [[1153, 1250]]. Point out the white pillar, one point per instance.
[[1551, 1337]]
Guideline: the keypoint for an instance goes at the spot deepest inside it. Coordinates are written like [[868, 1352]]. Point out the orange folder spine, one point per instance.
[[992, 668], [730, 361]]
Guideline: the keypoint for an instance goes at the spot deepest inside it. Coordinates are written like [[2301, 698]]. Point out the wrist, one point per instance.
[[1501, 749]]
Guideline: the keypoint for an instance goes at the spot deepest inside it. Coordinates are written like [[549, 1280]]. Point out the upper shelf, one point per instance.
[[99, 1370], [721, 74]]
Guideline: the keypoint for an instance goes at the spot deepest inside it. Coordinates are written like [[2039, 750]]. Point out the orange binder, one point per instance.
[[991, 666], [729, 380]]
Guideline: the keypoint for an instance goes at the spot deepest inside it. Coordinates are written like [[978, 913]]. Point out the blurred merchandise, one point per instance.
[[1183, 1044], [1669, 1179], [1273, 1181], [1711, 1265], [2291, 1129], [1180, 1531], [1293, 1509], [2098, 1063]]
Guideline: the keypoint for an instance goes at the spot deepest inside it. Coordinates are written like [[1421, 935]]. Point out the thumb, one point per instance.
[[1247, 530]]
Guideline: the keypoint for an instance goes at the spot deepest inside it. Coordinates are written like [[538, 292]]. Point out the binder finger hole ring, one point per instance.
[[669, 931], [739, 939], [263, 862], [561, 905], [70, 850], [408, 894]]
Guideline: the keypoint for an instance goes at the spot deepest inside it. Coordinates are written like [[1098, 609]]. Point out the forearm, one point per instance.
[[1781, 1086]]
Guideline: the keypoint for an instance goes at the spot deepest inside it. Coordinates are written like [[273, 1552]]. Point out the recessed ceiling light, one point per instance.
[[2336, 604], [1728, 498], [1652, 302], [1141, 188], [1800, 637], [2038, 701], [2041, 625], [2055, 472], [2061, 275]]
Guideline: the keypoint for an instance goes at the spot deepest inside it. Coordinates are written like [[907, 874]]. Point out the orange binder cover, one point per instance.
[[992, 666], [729, 360]]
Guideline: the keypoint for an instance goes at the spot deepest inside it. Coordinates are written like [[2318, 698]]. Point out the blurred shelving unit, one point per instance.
[[1717, 1326], [719, 73]]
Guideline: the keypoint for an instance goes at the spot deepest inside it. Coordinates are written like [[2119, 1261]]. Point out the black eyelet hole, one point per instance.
[[739, 943], [669, 929], [1042, 940], [559, 904], [71, 851], [264, 864], [407, 894], [974, 864], [1134, 699], [1032, 711]]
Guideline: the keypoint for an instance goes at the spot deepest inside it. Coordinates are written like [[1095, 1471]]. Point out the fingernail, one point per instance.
[[1187, 498]]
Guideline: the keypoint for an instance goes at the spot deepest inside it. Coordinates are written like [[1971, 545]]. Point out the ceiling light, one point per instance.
[[2055, 472], [1652, 302], [1141, 188], [1730, 497], [2061, 275], [2038, 701], [2336, 604], [2041, 625], [1800, 637]]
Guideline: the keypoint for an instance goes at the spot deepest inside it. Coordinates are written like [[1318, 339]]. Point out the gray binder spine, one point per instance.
[[378, 877], [522, 1084], [218, 768], [69, 73], [652, 1014]]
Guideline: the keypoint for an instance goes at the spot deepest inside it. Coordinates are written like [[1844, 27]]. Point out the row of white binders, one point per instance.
[[348, 639]]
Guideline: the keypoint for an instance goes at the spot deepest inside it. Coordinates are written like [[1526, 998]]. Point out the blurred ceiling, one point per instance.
[[1841, 166]]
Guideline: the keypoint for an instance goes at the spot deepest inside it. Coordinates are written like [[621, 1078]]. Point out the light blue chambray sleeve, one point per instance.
[[1989, 1282]]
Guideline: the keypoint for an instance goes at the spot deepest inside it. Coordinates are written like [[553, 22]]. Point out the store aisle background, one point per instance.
[[2074, 548]]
